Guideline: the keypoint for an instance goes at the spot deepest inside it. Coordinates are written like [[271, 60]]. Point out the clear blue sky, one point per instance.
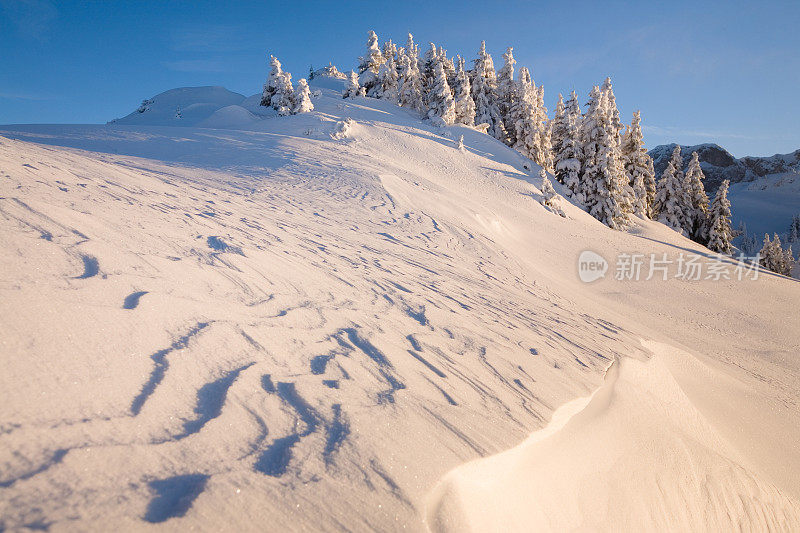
[[725, 72]]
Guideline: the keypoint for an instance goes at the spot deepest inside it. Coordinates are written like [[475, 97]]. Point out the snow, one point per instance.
[[195, 103], [263, 324], [585, 469]]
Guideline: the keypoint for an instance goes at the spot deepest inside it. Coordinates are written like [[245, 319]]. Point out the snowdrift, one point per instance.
[[320, 322], [185, 106]]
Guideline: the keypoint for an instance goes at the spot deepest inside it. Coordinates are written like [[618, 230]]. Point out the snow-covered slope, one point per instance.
[[185, 106], [308, 322]]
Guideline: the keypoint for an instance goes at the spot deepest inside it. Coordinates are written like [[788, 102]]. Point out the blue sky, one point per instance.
[[725, 72]]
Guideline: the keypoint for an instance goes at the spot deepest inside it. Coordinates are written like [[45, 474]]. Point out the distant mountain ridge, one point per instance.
[[718, 164]]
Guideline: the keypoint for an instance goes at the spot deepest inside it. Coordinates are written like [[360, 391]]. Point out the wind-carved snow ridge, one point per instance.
[[288, 329], [584, 469]]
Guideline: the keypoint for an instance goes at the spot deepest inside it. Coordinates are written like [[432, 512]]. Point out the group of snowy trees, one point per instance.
[[281, 96], [682, 204], [773, 257], [604, 168], [601, 166], [443, 90], [611, 174]]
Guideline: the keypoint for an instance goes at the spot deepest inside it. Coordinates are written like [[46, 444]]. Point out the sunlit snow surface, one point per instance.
[[295, 325]]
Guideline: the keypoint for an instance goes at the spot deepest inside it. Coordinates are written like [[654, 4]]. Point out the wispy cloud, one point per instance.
[[32, 18], [195, 65]]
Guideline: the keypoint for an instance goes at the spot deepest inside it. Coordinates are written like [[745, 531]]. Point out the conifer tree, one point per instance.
[[773, 257], [410, 85], [543, 153], [627, 196], [638, 168], [449, 67], [301, 99], [677, 165], [794, 229], [464, 105], [505, 94], [278, 89], [558, 130], [548, 192], [429, 70], [351, 87], [441, 107], [568, 154], [698, 201], [389, 50], [602, 184], [613, 112], [483, 90], [370, 64], [388, 81], [669, 200], [683, 197], [523, 115], [549, 195], [719, 221]]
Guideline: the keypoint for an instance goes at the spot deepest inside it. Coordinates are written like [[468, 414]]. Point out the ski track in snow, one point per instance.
[[312, 332]]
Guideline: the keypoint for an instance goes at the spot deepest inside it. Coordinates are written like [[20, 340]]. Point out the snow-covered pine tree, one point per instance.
[[523, 114], [543, 153], [602, 181], [441, 107], [449, 67], [682, 196], [680, 177], [548, 192], [638, 168], [558, 131], [568, 154], [483, 90], [669, 200], [613, 112], [766, 256], [370, 64], [464, 105], [505, 94], [794, 229], [719, 221], [627, 198], [410, 85], [389, 50], [428, 70], [278, 88], [388, 80], [301, 99], [698, 199], [351, 86], [550, 197], [773, 257]]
